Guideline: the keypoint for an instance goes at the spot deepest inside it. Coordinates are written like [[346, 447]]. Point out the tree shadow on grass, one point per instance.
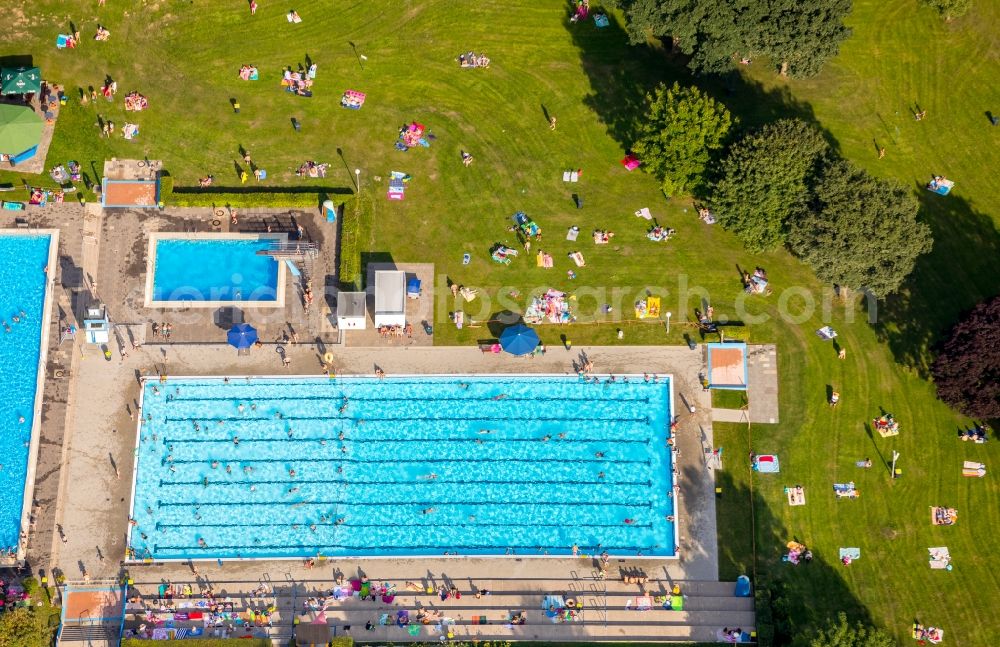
[[792, 601], [622, 74], [961, 270]]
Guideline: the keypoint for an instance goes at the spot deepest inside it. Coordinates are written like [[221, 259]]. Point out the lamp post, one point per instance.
[[669, 314], [357, 179]]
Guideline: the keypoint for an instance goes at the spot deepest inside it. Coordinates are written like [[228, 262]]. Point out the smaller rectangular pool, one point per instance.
[[212, 270]]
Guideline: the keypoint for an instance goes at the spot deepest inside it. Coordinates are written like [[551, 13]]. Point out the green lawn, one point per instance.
[[185, 59]]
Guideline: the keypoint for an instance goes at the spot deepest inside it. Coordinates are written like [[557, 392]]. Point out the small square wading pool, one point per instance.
[[407, 466], [213, 270]]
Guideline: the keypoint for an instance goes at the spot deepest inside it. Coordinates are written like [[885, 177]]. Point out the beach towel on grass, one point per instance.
[[795, 497], [767, 464], [853, 553]]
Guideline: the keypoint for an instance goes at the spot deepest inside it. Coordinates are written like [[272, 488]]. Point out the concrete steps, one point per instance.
[[607, 612]]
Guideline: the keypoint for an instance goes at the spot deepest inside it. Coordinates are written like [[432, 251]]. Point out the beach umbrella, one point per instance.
[[20, 80], [20, 129], [242, 336], [519, 340]]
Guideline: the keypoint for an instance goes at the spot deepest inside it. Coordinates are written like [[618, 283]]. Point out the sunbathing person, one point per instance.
[[102, 33]]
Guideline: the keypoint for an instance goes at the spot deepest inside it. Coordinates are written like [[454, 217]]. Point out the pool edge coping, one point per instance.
[[156, 236], [40, 374], [163, 379]]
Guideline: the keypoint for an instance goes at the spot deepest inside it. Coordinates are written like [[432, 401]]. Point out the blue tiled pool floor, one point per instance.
[[405, 466], [23, 259]]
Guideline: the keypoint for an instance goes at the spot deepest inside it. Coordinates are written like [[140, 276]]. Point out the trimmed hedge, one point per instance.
[[349, 272], [261, 199]]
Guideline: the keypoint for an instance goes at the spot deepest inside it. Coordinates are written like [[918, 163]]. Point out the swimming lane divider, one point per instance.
[[304, 460], [306, 526], [345, 483], [366, 549], [368, 419], [332, 440], [228, 504]]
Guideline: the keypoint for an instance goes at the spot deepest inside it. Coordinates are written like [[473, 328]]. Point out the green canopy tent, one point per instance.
[[20, 80], [20, 132]]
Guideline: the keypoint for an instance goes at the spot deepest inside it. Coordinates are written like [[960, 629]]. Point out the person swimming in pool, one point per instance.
[[485, 431], [499, 397], [429, 477], [427, 511]]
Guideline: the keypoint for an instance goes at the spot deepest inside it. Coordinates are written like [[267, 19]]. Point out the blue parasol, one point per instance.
[[242, 336], [519, 340]]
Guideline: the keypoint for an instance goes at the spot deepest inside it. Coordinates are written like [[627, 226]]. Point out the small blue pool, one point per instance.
[[213, 269], [23, 259], [497, 465]]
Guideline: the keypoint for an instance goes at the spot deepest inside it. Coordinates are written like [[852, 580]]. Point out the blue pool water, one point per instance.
[[22, 289], [499, 485], [214, 270]]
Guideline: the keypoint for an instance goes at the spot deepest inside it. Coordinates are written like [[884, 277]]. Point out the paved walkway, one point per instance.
[[762, 389]]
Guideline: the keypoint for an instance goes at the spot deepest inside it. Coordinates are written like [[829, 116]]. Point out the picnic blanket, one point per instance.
[[852, 553], [572, 233], [939, 558], [796, 495], [571, 176], [577, 258], [766, 464], [941, 516], [644, 213], [543, 260], [846, 490], [552, 306], [973, 469]]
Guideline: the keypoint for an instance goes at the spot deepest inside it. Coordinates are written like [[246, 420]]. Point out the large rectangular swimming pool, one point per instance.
[[406, 466], [24, 259], [213, 270]]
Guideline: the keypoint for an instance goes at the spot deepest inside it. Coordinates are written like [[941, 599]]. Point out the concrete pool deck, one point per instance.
[[93, 510]]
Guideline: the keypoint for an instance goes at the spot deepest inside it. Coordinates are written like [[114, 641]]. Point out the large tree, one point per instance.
[[859, 231], [24, 627], [683, 129], [764, 179], [842, 634], [798, 37], [950, 9], [967, 370]]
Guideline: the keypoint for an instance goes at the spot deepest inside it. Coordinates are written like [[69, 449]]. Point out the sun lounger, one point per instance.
[[796, 496], [578, 259], [852, 553]]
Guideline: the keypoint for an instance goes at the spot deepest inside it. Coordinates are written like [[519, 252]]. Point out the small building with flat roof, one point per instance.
[[390, 298], [351, 311]]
